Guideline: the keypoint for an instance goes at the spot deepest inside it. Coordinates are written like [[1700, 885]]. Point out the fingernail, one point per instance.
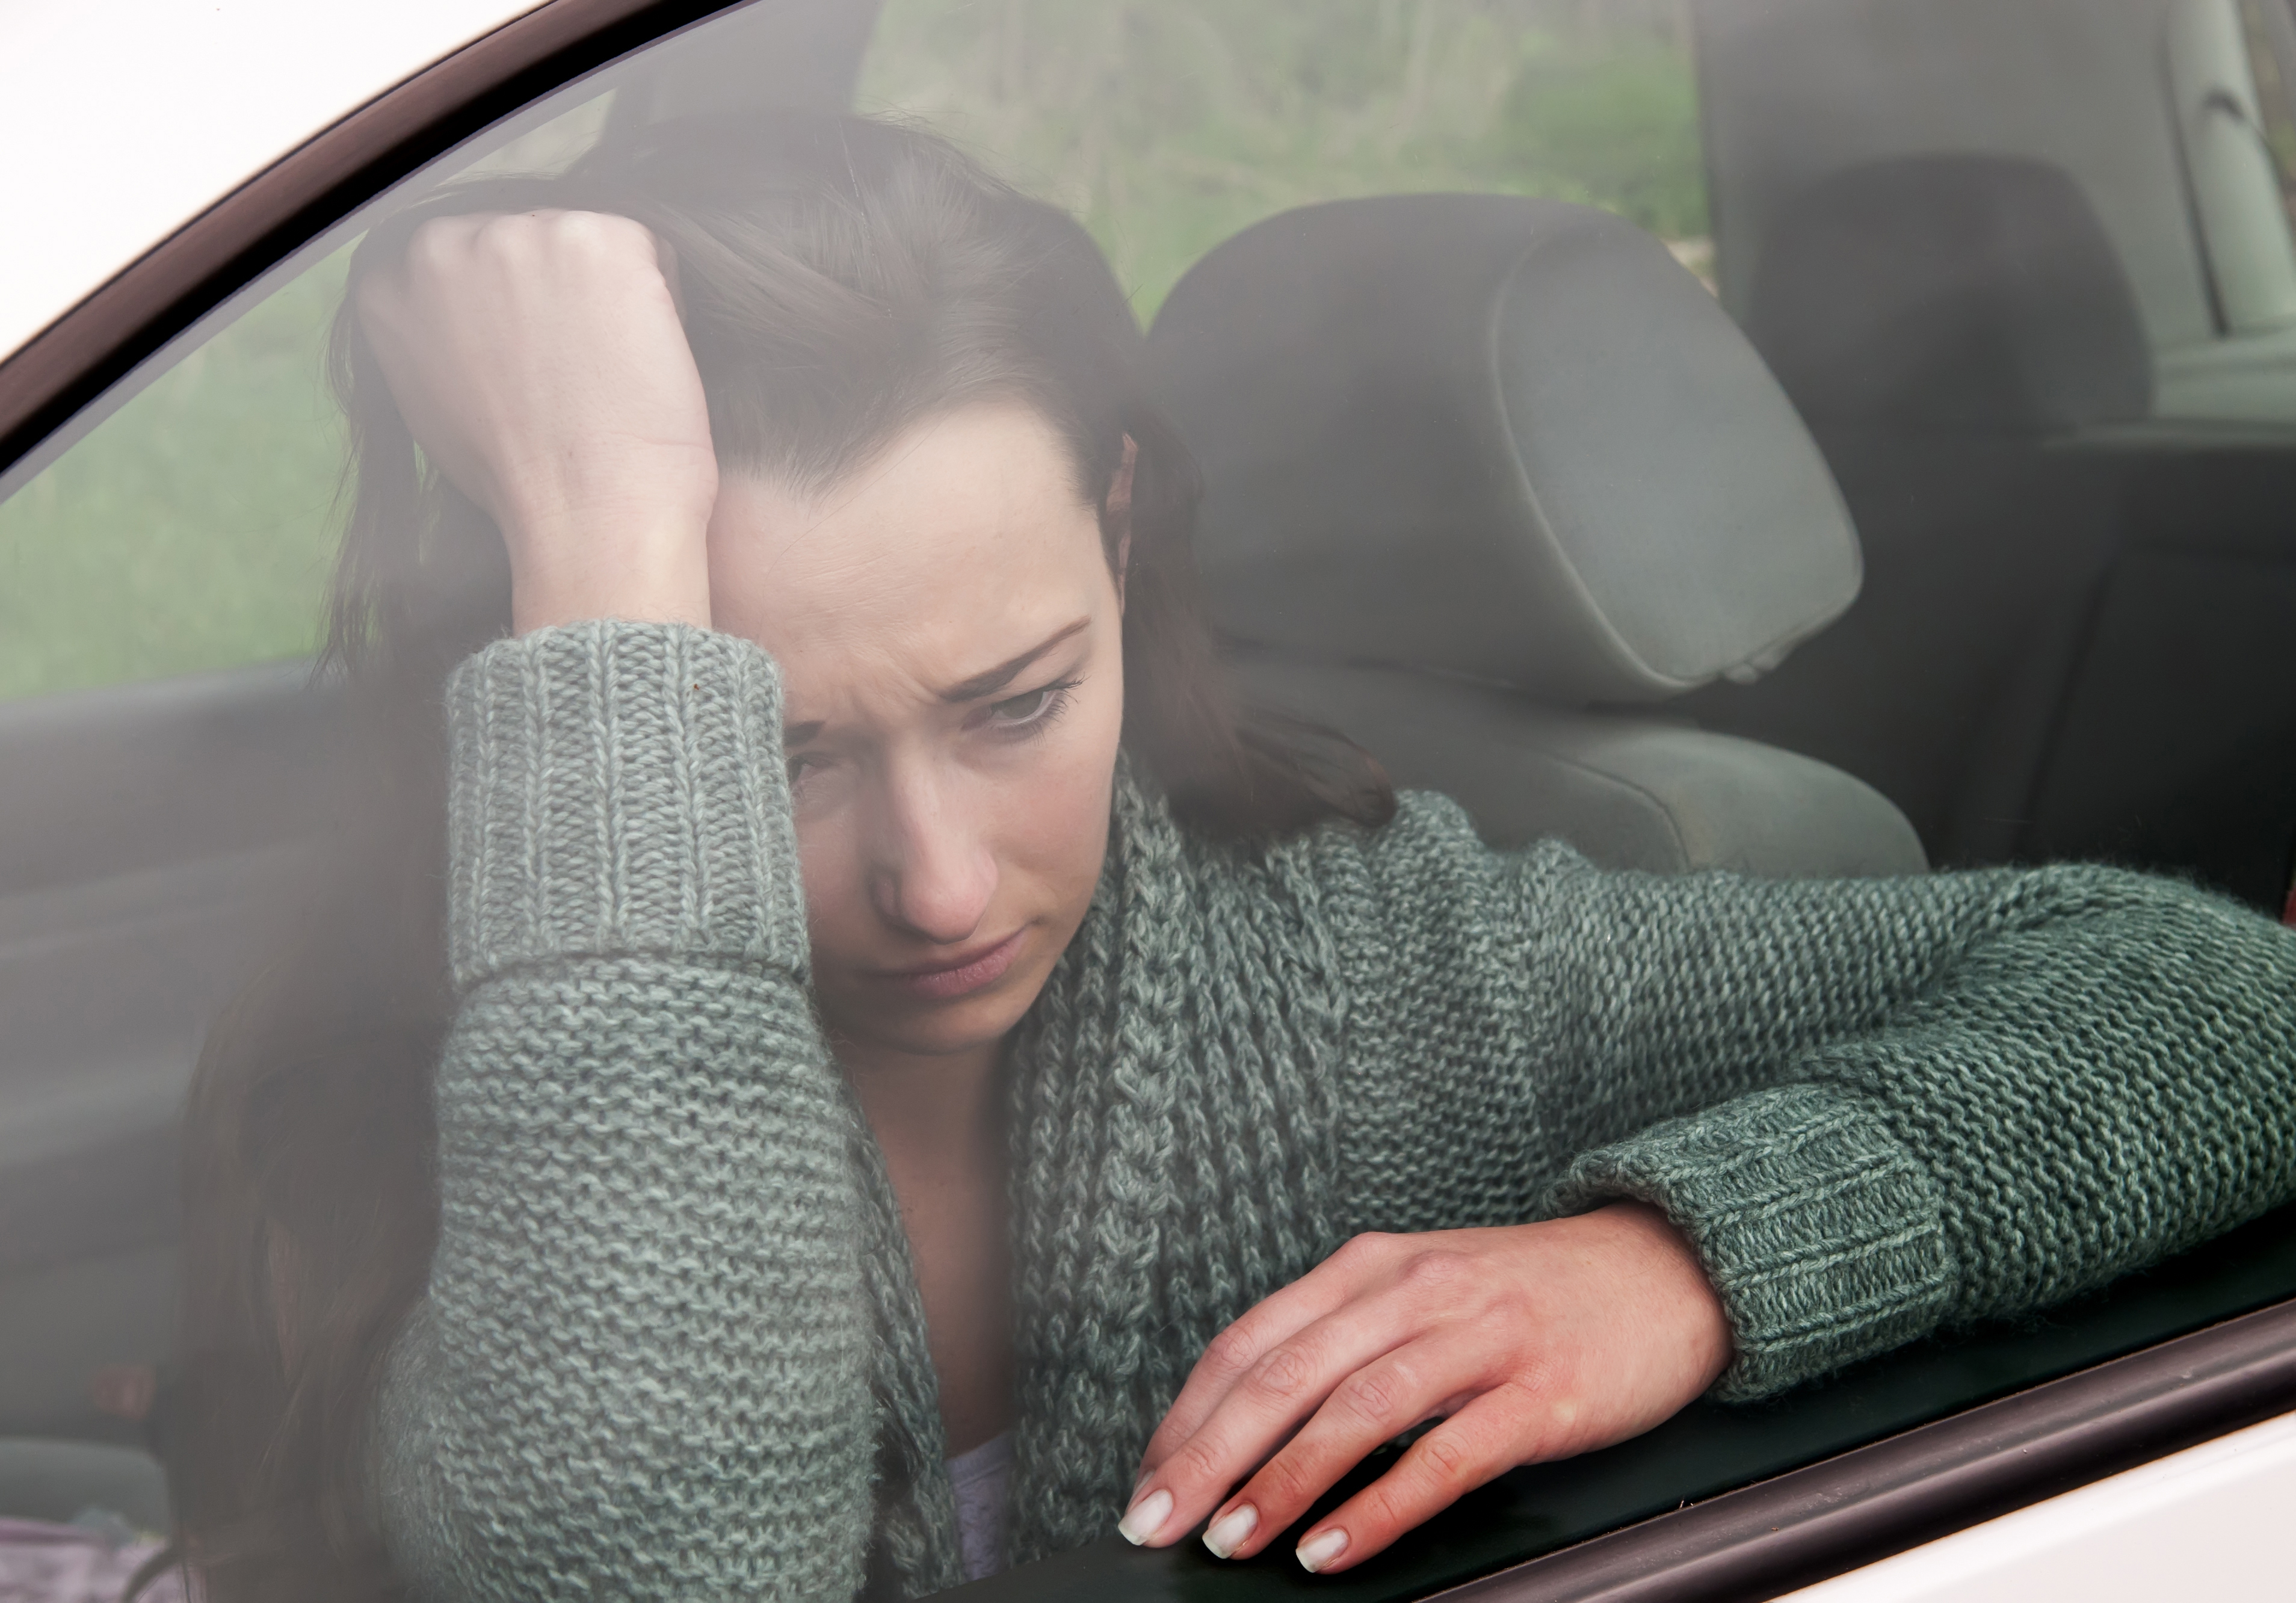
[[1232, 1530], [1321, 1548], [1147, 1517]]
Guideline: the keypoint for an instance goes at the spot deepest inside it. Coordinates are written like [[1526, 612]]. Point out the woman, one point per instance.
[[895, 1008]]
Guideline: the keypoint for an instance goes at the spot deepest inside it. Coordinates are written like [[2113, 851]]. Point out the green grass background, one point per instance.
[[194, 528]]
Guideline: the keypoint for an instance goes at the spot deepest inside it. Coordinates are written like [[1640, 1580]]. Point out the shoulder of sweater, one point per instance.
[[1339, 871], [1432, 850], [1425, 822]]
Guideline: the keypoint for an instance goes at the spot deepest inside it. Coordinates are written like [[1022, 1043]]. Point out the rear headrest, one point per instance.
[[1973, 293], [1507, 439]]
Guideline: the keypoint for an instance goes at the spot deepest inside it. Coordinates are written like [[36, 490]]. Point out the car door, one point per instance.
[[173, 767]]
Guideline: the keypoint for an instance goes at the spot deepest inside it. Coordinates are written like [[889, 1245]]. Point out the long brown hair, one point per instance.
[[839, 279]]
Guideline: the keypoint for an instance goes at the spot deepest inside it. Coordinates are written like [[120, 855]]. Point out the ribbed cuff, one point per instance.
[[1821, 1233], [619, 789]]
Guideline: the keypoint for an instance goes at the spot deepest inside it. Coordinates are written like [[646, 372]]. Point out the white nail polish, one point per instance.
[[1232, 1530], [1321, 1548], [1146, 1518]]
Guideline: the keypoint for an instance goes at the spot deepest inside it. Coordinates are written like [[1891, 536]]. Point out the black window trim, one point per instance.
[[1871, 1502], [1756, 1541]]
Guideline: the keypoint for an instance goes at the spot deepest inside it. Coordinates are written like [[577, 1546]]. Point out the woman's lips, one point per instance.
[[975, 971]]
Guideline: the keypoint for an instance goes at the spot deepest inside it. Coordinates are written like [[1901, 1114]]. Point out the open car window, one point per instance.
[[2041, 367]]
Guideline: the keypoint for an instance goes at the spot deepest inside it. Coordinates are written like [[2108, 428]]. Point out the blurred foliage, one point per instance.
[[1619, 131], [1167, 125], [191, 529], [194, 529]]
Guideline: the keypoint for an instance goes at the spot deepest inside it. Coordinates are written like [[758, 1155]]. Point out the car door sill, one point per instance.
[[1872, 1501]]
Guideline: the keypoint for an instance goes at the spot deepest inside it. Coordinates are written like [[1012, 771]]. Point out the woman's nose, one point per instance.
[[935, 871]]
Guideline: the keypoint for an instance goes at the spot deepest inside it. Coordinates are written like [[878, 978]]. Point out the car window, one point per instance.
[[191, 532], [1168, 129], [2229, 75], [2227, 63], [1715, 435], [194, 527]]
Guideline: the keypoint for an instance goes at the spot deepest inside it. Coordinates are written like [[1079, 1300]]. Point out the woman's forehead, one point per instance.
[[959, 546], [985, 484]]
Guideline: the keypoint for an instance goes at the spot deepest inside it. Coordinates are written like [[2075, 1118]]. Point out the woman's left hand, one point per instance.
[[1530, 1342]]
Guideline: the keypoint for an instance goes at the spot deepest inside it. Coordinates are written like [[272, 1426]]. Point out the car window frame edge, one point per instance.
[[1867, 1504], [73, 360]]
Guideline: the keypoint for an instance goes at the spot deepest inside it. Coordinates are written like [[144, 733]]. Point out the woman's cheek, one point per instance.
[[1060, 822], [1073, 800], [834, 888]]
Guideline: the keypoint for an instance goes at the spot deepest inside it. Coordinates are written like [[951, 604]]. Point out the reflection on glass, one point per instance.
[[194, 529], [775, 998], [1168, 127]]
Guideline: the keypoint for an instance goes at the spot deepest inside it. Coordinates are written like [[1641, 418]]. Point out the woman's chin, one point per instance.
[[927, 1027]]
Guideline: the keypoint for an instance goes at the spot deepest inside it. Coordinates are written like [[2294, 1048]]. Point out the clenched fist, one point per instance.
[[539, 360]]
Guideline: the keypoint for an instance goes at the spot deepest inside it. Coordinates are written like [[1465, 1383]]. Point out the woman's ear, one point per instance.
[[1116, 516]]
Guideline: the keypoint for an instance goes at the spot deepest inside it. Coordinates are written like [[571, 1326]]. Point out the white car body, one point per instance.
[[124, 119], [2209, 1521]]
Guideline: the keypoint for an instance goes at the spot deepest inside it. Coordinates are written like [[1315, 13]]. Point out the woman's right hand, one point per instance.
[[539, 359]]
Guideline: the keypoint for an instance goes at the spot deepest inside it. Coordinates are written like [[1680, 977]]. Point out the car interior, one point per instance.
[[1950, 524]]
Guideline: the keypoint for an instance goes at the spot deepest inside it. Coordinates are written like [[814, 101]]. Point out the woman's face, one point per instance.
[[949, 637]]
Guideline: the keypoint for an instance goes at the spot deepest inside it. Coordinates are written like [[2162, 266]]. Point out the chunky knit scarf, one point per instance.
[[672, 1345]]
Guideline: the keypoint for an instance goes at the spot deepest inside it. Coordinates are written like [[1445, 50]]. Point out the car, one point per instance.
[[2011, 282]]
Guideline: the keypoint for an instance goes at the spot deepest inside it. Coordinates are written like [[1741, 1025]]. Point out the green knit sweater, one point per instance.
[[673, 1346]]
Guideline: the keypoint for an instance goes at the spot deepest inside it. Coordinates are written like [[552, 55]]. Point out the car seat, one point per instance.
[[58, 1481], [2072, 640], [1487, 480]]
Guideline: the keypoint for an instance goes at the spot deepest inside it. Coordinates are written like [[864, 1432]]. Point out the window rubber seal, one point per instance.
[[82, 353], [1869, 1502]]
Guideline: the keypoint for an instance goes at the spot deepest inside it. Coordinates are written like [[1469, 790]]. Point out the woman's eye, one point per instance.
[[1037, 707], [801, 764]]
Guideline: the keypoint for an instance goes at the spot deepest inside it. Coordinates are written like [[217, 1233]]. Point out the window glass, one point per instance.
[[2224, 72], [195, 527], [1755, 570], [2268, 31], [191, 529], [1168, 127]]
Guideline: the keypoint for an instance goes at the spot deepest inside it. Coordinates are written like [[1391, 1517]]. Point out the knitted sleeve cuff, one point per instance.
[[619, 788], [1820, 1231]]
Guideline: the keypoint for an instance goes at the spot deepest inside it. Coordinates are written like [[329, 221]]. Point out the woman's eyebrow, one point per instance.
[[1004, 673]]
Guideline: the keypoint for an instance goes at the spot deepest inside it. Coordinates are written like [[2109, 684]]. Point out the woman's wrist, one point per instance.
[[1665, 1256], [657, 576]]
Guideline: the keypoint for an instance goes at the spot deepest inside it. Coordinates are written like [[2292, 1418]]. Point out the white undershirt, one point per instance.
[[981, 1478]]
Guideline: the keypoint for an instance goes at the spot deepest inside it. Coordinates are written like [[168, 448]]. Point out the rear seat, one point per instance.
[[2073, 637], [61, 1481]]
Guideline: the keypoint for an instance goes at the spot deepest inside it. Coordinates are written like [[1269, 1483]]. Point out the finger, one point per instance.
[[1476, 1445], [386, 290], [1370, 1407], [442, 245], [1315, 1295], [1267, 1402], [1234, 1352]]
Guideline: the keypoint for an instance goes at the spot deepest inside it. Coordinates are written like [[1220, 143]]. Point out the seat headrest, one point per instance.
[[1951, 293], [1506, 439]]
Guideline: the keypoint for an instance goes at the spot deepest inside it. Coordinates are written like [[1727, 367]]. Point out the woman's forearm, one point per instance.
[[539, 360], [642, 1366], [1871, 1105], [2102, 1073]]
